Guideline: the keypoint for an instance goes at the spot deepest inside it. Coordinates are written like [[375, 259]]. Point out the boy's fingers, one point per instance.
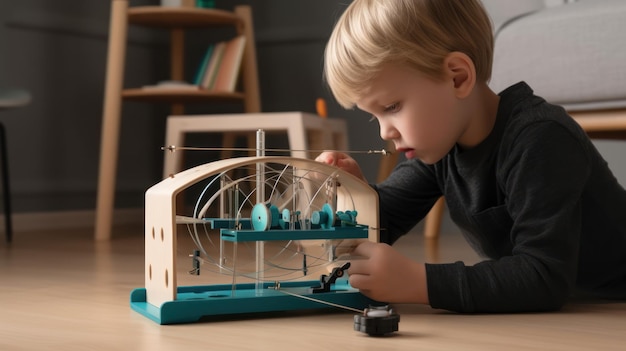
[[357, 267], [364, 249], [346, 246], [358, 281], [363, 282], [322, 159]]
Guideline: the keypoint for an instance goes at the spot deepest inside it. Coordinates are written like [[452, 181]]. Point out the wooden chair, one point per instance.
[[305, 131]]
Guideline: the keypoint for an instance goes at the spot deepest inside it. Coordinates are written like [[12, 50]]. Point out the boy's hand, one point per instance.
[[385, 275], [342, 161]]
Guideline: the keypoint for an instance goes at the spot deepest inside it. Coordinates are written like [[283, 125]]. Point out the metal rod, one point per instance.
[[173, 148], [260, 199]]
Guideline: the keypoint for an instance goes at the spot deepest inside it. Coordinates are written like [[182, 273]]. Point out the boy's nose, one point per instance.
[[388, 132]]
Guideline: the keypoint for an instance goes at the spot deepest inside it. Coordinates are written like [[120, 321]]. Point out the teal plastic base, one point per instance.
[[195, 302]]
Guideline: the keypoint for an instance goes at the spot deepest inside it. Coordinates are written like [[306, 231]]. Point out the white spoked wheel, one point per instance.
[[283, 199]]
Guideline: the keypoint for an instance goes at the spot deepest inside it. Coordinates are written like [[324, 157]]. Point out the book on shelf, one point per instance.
[[228, 72], [205, 3], [213, 65], [197, 80], [218, 70], [178, 3]]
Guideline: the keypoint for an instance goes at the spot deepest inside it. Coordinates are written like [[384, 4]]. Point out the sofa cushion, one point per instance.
[[502, 11], [573, 55]]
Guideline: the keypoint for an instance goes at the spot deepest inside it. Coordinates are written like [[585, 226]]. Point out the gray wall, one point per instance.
[[57, 50]]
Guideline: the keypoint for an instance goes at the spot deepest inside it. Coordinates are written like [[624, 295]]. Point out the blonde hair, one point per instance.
[[417, 33]]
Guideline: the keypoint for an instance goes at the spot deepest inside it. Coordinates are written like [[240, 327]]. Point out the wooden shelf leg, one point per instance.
[[177, 63], [249, 67], [111, 119]]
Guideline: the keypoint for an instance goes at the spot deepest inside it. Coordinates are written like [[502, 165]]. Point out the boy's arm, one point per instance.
[[405, 198], [543, 177]]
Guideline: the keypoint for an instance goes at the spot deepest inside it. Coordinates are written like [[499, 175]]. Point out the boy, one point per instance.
[[520, 177]]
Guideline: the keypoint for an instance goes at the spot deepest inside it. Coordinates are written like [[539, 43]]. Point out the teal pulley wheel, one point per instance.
[[261, 217], [274, 217], [324, 218], [286, 215]]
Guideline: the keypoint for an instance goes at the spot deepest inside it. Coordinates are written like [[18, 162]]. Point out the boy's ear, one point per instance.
[[460, 68]]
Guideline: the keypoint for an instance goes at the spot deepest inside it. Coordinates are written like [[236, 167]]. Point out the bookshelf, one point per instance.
[[177, 20]]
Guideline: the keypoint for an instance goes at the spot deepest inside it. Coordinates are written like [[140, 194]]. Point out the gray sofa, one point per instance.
[[573, 54]]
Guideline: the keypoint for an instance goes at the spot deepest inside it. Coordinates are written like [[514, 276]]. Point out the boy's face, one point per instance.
[[422, 117]]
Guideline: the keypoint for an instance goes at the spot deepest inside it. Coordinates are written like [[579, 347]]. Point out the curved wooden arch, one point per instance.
[[160, 214]]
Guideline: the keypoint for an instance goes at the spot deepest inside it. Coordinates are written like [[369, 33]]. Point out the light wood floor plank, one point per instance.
[[63, 291]]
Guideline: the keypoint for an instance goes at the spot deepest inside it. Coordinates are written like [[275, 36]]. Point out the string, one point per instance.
[[277, 288], [173, 148]]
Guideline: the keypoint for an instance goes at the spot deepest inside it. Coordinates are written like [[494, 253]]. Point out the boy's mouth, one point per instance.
[[408, 152]]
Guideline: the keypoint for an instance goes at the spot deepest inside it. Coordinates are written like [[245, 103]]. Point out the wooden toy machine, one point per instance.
[[274, 226]]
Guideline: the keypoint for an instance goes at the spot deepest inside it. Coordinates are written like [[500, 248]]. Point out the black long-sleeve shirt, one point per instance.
[[535, 198]]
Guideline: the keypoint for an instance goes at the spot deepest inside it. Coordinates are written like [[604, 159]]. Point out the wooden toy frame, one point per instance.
[[164, 302]]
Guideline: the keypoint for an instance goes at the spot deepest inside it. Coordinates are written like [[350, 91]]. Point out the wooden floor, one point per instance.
[[63, 291]]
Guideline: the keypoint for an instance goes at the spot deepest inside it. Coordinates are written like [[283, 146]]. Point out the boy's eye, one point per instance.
[[392, 108]]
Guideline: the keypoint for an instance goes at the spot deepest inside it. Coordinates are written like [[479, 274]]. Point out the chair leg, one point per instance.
[[8, 225], [432, 224]]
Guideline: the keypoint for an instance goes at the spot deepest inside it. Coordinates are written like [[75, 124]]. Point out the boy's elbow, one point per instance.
[[555, 303], [555, 297]]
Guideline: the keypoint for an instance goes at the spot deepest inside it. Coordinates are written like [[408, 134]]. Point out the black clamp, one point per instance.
[[327, 280], [195, 262]]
